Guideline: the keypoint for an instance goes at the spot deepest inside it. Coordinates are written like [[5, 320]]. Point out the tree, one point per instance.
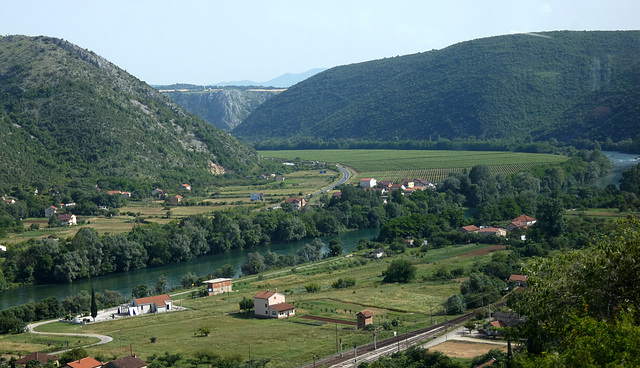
[[455, 305], [400, 270], [550, 220], [246, 304], [161, 285], [73, 354], [480, 290], [255, 264], [469, 325], [226, 271], [140, 291], [189, 280], [94, 305], [335, 247]]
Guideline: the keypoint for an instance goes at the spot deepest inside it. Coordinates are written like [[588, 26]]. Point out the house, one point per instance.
[[409, 242], [125, 195], [520, 279], [185, 187], [385, 184], [112, 192], [67, 220], [87, 362], [10, 201], [364, 318], [175, 200], [3, 248], [272, 305], [510, 319], [337, 194], [296, 203], [491, 328], [425, 183], [368, 182], [40, 357], [377, 253], [50, 211], [69, 205], [521, 222], [469, 229], [408, 184], [130, 361], [264, 177], [159, 193], [257, 196], [279, 178], [486, 231], [151, 304], [218, 286], [393, 187]]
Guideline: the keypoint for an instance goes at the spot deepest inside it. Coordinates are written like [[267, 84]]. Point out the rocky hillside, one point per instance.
[[67, 113], [514, 87], [224, 108]]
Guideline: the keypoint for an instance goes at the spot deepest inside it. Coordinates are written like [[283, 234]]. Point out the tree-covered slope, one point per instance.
[[498, 87], [68, 113]]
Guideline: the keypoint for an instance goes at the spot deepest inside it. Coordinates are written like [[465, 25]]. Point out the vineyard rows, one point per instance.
[[438, 175]]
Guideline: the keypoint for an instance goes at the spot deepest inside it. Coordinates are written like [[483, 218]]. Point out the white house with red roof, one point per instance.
[[271, 304], [296, 203], [151, 304], [67, 219], [521, 222], [368, 182], [50, 211], [185, 187]]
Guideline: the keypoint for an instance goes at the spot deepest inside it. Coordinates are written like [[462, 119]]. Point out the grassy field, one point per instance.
[[293, 341], [25, 344], [411, 164]]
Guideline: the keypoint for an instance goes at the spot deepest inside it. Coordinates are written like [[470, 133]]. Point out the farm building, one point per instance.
[[218, 286], [368, 182], [40, 357], [272, 305], [257, 196], [364, 318], [151, 304]]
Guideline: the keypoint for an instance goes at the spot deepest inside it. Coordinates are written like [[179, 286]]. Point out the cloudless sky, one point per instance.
[[210, 41]]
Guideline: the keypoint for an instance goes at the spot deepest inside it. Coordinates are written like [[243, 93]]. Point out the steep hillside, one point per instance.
[[499, 87], [67, 113], [612, 112], [223, 108]]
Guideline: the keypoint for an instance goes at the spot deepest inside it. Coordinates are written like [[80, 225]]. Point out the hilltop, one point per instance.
[[67, 113], [506, 87]]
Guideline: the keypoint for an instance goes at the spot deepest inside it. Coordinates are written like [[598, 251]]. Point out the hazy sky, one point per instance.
[[209, 41]]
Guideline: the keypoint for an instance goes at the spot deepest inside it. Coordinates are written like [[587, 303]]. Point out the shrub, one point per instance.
[[153, 339], [312, 287], [343, 283]]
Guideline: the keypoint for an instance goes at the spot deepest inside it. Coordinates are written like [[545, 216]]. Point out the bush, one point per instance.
[[400, 270], [204, 331], [153, 339], [312, 287], [344, 283]]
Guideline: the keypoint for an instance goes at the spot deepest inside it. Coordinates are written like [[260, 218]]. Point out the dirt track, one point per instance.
[[465, 350], [484, 251]]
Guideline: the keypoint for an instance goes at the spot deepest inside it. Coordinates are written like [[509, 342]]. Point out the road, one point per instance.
[[103, 338], [345, 176]]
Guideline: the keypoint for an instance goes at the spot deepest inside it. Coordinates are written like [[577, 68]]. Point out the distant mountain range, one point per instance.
[[67, 114], [284, 81], [520, 87]]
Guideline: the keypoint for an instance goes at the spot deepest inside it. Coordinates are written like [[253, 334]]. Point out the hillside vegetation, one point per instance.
[[515, 87], [67, 113]]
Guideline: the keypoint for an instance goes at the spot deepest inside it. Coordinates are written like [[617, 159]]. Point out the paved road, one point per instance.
[[345, 176]]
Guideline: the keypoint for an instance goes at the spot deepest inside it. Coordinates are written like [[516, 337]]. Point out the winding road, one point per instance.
[[103, 338], [346, 174]]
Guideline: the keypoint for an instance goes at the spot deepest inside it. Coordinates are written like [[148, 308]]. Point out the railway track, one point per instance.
[[387, 346]]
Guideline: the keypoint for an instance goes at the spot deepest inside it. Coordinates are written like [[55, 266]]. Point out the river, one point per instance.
[[125, 281], [621, 162]]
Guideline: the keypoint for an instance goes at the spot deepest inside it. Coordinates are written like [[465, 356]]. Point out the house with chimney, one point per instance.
[[271, 304], [87, 362]]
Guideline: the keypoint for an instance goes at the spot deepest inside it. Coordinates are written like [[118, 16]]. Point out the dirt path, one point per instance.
[[31, 328]]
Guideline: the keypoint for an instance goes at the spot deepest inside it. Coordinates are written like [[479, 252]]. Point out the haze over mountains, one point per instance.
[[508, 87], [284, 81], [66, 112]]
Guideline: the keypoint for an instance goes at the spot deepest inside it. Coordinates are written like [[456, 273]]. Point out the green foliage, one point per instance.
[[312, 287], [480, 290], [246, 304], [189, 280], [140, 291], [204, 331], [400, 270], [455, 305], [72, 355], [94, 305], [50, 88], [343, 283], [513, 86], [413, 357]]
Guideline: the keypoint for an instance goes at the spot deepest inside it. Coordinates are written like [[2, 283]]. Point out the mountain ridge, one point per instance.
[[512, 87]]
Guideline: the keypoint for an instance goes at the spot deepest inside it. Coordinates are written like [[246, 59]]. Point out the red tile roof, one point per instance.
[[498, 324], [87, 362], [41, 357], [158, 299], [523, 218], [485, 364], [126, 362], [366, 313], [281, 307], [264, 294], [519, 278], [470, 228]]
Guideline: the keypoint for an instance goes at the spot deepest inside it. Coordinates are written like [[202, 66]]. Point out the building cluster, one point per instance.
[[406, 186], [521, 222]]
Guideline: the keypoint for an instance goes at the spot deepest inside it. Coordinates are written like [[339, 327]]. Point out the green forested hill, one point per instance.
[[498, 87], [67, 113]]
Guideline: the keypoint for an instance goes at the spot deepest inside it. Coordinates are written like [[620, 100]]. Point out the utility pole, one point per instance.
[[355, 352], [374, 341], [336, 338]]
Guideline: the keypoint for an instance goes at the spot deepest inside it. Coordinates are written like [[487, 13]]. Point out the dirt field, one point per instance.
[[465, 350], [330, 320], [484, 251]]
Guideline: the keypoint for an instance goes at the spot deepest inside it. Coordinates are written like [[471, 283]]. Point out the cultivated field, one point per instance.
[[411, 164], [290, 342]]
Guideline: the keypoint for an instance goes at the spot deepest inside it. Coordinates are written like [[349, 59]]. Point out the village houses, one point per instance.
[[296, 203], [218, 286]]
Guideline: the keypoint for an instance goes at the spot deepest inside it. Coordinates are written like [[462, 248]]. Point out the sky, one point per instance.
[[211, 41]]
